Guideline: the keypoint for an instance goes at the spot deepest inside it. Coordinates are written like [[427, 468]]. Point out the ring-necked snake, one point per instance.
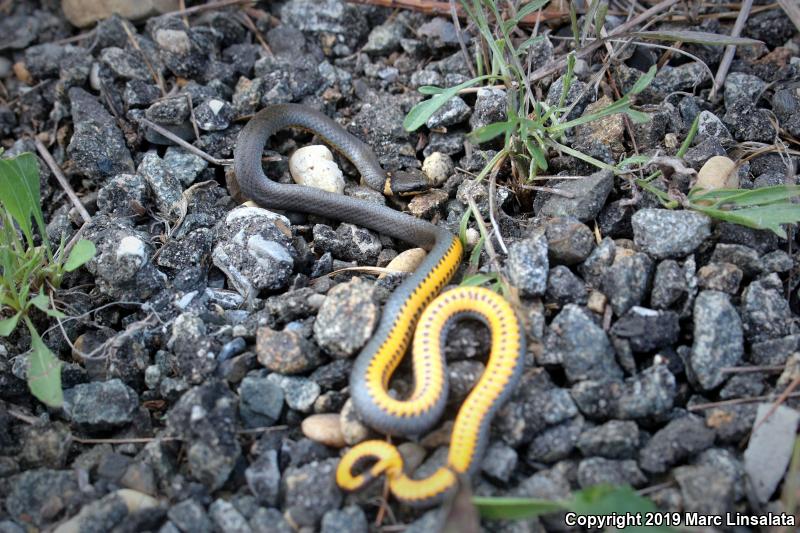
[[412, 303]]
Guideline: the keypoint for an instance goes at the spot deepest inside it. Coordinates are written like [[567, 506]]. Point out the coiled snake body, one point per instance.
[[412, 303]]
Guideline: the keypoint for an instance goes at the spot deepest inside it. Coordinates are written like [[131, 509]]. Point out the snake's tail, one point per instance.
[[369, 460]]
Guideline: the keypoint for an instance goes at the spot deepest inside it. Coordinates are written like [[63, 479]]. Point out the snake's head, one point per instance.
[[366, 462], [404, 183]]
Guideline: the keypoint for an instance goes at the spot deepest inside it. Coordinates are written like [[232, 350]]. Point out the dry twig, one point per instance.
[[209, 7], [730, 50], [738, 401], [183, 144], [560, 64], [792, 9], [62, 180], [430, 7]]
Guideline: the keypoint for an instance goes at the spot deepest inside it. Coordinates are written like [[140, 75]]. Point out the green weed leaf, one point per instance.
[[608, 499], [769, 217], [747, 198], [7, 325], [537, 154], [44, 371], [42, 302], [514, 508], [489, 132], [430, 89], [19, 192], [81, 253], [421, 112]]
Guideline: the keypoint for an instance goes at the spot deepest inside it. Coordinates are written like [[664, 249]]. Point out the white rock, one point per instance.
[[473, 236], [175, 41], [770, 448], [132, 246], [215, 105], [438, 167], [261, 249], [133, 500], [248, 211], [313, 166]]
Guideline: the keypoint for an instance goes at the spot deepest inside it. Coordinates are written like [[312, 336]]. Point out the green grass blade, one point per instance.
[[476, 280], [687, 142], [600, 19], [430, 89], [644, 80], [583, 157], [462, 227], [565, 85], [19, 192], [528, 9], [514, 508], [475, 256], [633, 160], [637, 117], [527, 43], [573, 24]]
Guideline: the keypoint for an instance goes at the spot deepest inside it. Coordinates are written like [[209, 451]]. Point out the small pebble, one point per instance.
[[406, 261], [325, 429], [314, 166], [353, 430], [719, 172], [438, 167]]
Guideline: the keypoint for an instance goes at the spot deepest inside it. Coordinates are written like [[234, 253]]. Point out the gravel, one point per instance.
[[676, 441], [528, 265], [582, 199], [101, 405], [718, 340], [212, 341], [582, 348], [669, 234]]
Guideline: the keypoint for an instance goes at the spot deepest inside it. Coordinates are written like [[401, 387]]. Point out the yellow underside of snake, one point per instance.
[[369, 460]]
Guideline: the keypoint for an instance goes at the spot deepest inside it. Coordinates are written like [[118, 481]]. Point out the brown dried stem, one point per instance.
[[62, 180]]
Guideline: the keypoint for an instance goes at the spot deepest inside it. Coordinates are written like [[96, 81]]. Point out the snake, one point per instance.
[[415, 307]]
